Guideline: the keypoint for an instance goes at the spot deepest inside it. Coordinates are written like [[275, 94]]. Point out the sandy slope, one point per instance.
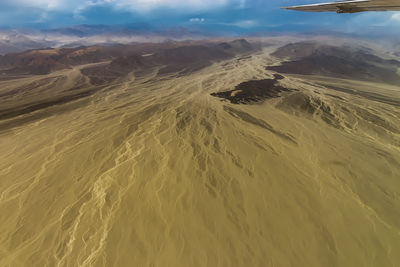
[[153, 171]]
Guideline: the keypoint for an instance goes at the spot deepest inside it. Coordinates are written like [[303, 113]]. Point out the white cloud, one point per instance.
[[374, 19], [197, 20], [148, 5], [43, 17], [132, 5], [245, 23], [395, 17]]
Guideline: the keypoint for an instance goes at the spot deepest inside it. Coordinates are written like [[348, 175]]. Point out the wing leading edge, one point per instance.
[[351, 6]]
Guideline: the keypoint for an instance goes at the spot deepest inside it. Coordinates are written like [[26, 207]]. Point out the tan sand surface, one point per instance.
[[153, 171]]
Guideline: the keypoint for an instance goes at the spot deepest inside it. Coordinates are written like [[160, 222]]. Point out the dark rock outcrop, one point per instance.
[[254, 91]]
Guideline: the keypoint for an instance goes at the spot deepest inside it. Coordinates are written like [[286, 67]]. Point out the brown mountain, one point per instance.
[[309, 58], [182, 59], [173, 55], [43, 61]]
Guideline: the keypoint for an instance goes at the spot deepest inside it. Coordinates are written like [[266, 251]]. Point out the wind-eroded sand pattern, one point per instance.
[[153, 171]]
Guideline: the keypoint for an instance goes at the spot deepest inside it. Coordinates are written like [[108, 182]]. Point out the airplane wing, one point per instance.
[[351, 6]]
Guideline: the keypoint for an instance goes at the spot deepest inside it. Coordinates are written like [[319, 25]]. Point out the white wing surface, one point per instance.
[[351, 6]]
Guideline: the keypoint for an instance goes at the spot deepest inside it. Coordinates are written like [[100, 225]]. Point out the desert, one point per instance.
[[130, 160]]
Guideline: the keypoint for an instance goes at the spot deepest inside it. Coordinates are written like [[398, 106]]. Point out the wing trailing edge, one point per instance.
[[351, 6]]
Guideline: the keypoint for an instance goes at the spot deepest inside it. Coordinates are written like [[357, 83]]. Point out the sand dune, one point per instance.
[[151, 170]]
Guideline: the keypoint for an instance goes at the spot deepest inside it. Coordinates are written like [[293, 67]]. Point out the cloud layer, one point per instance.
[[212, 15], [132, 5]]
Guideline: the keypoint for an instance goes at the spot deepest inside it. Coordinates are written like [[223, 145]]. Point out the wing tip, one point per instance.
[[288, 7]]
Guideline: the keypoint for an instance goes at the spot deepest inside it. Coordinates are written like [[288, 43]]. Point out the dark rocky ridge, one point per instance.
[[254, 91], [309, 58], [44, 61], [177, 54], [182, 60]]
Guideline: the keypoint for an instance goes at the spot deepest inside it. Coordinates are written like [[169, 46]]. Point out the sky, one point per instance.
[[213, 15]]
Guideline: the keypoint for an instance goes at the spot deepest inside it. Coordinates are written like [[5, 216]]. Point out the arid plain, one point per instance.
[[150, 169]]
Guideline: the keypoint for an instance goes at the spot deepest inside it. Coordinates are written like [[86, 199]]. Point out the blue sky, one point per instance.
[[239, 15]]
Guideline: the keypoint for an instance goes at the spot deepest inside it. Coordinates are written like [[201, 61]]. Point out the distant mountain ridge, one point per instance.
[[171, 56], [19, 40], [313, 58], [182, 58]]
